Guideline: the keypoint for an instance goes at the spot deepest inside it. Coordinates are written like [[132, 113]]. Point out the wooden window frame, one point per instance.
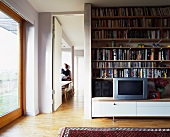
[[4, 120]]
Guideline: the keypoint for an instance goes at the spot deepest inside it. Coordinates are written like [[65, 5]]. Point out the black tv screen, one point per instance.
[[127, 87], [130, 88]]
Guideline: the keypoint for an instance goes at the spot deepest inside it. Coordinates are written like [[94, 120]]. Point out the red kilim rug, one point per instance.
[[114, 132]]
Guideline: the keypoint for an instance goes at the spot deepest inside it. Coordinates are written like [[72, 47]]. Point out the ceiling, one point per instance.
[[73, 26], [68, 13]]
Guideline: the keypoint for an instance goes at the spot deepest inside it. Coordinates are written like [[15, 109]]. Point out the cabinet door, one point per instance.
[[124, 108], [102, 109], [153, 108], [96, 89], [107, 89]]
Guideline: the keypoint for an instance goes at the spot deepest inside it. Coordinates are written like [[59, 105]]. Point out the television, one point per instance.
[[130, 88]]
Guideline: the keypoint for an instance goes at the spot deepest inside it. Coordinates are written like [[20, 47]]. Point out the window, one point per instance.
[[11, 74]]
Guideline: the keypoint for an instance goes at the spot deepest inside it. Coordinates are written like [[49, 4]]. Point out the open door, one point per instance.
[[56, 77]]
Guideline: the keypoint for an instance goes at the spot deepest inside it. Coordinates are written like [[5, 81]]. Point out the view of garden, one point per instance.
[[8, 92], [9, 64]]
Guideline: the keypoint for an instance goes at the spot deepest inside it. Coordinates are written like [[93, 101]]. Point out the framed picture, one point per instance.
[[154, 95]]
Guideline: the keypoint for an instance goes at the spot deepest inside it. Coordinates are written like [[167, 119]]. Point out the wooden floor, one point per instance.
[[71, 114]]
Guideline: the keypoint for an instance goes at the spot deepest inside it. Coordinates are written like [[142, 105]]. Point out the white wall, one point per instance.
[[80, 71], [31, 72], [66, 58], [87, 61], [30, 14], [77, 54], [45, 62]]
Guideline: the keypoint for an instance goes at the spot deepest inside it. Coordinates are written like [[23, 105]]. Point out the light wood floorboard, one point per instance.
[[70, 114]]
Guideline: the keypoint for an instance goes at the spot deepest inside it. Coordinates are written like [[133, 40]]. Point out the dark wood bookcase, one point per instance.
[[125, 42], [130, 42]]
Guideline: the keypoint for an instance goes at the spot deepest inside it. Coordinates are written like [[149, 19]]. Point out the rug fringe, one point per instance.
[[60, 132]]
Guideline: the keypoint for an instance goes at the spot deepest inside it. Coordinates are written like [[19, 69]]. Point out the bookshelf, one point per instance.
[[122, 40], [130, 42]]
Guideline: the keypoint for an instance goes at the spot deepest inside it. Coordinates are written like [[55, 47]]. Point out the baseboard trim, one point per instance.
[[33, 113]]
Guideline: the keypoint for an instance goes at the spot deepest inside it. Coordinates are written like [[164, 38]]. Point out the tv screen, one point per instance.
[[127, 87], [130, 88]]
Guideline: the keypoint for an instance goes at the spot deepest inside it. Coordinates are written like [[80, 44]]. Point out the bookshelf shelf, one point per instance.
[[133, 40], [131, 61], [130, 48], [129, 17], [129, 28]]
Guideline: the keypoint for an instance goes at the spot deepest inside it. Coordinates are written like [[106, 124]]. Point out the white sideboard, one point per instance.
[[111, 108]]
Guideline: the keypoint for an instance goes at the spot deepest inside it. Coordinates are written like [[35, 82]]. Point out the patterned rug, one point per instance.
[[113, 132]]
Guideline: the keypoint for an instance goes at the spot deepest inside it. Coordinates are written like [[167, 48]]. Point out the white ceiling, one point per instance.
[[72, 25]]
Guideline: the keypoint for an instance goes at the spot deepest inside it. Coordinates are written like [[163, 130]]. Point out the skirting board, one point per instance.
[[32, 113]]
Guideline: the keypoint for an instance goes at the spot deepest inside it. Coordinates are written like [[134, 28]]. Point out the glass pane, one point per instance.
[[9, 64]]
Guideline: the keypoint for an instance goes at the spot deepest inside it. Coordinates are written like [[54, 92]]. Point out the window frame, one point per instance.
[[4, 120]]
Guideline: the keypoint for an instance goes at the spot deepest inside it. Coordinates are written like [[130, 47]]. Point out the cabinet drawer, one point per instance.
[[102, 109], [153, 111], [124, 108], [153, 108]]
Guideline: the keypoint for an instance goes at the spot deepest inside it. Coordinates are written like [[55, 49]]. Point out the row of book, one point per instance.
[[130, 54], [137, 22], [133, 72], [131, 11], [96, 65], [125, 34]]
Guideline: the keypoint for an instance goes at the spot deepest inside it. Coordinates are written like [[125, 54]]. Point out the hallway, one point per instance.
[[70, 114]]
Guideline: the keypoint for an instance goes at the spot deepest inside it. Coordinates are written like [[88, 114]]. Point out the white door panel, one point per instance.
[[57, 40]]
